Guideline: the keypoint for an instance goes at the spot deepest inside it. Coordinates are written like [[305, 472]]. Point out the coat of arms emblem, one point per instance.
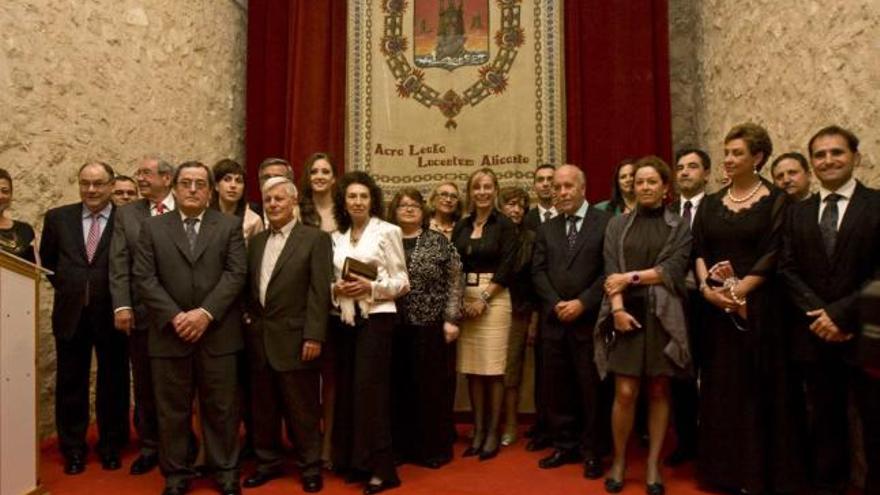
[[451, 33]]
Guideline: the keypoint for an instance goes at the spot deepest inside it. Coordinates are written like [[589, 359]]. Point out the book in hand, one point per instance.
[[352, 266]]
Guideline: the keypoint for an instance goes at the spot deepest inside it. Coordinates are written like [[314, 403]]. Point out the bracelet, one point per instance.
[[484, 296], [617, 310], [736, 299]]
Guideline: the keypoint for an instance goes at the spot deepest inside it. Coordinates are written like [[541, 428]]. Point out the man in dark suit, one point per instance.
[[831, 250], [75, 246], [544, 211], [288, 300], [190, 268], [568, 272], [692, 168], [130, 315]]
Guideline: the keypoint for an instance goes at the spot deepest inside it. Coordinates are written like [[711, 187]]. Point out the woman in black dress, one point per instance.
[[15, 237], [641, 333], [429, 316], [748, 414]]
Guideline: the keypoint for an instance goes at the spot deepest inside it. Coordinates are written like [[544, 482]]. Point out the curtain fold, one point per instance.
[[617, 83]]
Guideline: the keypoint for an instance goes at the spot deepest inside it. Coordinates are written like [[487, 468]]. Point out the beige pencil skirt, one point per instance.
[[482, 345]]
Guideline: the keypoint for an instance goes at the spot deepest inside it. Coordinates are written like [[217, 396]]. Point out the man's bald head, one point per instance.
[[569, 183]]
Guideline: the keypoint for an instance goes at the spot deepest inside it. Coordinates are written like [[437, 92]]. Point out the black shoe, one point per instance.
[[356, 476], [655, 489], [74, 464], [110, 462], [371, 488], [470, 451], [593, 469], [313, 483], [436, 462], [613, 486], [679, 457], [175, 490], [144, 464], [230, 489], [536, 444], [485, 455], [558, 458], [259, 478]]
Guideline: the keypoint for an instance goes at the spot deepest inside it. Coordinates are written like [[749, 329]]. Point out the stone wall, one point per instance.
[[793, 66], [112, 80]]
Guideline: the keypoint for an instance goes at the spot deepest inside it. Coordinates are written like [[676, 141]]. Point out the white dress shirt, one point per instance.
[[103, 218], [695, 203], [542, 212], [274, 245], [167, 203], [845, 191]]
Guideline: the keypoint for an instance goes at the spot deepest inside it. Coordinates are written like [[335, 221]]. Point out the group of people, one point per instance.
[[322, 315]]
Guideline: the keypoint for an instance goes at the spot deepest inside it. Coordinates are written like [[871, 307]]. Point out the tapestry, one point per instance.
[[439, 88]]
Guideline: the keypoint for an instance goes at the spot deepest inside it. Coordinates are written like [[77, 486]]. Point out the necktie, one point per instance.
[[191, 233], [828, 222], [94, 236], [687, 213], [160, 208], [572, 230], [547, 216]]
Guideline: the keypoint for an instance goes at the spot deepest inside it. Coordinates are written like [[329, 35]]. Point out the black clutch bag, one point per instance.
[[356, 267]]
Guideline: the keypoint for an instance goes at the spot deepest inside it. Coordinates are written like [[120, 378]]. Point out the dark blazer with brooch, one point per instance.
[[561, 274], [297, 298], [78, 283], [171, 279], [815, 281]]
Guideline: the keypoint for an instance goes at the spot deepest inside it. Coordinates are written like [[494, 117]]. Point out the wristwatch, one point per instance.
[[634, 278]]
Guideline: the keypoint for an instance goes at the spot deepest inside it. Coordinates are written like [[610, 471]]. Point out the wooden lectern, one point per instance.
[[19, 342]]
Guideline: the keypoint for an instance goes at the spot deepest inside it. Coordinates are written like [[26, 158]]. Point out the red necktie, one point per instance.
[[94, 237], [160, 208]]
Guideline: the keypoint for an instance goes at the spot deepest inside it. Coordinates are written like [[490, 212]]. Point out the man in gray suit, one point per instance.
[[129, 314], [290, 268], [190, 268]]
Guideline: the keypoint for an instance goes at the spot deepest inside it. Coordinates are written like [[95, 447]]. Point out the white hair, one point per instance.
[[273, 182]]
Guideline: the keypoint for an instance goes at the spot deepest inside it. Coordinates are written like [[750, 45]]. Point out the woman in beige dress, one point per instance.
[[486, 242]]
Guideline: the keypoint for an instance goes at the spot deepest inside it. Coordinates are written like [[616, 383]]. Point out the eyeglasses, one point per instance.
[[189, 184], [409, 206], [97, 184], [447, 195]]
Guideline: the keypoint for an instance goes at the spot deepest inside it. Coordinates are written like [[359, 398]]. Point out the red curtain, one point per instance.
[[295, 82], [617, 83]]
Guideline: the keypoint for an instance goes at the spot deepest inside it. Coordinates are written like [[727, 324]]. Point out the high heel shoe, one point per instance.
[[613, 486], [655, 488], [508, 439], [485, 455], [471, 451], [373, 488]]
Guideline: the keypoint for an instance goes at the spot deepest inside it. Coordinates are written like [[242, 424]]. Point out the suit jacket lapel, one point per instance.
[[205, 234], [258, 244], [178, 235], [851, 220], [286, 252]]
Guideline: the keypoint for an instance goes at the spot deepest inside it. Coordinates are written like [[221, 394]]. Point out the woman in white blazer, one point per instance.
[[362, 431]]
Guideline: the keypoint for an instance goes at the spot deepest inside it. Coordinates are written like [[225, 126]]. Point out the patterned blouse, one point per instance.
[[436, 282]]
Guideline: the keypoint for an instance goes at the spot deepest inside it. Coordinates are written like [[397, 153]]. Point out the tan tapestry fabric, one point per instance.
[[439, 88]]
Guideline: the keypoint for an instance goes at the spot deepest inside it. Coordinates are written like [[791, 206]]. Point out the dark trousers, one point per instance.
[[176, 382], [295, 396], [575, 411], [362, 426], [147, 424], [684, 392], [827, 386], [540, 428], [74, 363], [867, 392], [421, 417]]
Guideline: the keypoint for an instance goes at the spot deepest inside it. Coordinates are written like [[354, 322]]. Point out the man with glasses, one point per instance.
[[129, 313], [190, 268], [75, 247]]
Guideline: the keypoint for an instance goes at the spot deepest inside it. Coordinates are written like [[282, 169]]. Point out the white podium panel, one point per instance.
[[19, 454]]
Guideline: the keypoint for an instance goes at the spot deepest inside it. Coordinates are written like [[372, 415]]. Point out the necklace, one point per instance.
[[746, 197]]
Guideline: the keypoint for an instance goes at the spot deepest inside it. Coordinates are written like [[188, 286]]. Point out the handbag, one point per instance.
[[353, 266]]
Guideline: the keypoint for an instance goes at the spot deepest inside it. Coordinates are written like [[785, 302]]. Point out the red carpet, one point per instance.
[[513, 472]]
